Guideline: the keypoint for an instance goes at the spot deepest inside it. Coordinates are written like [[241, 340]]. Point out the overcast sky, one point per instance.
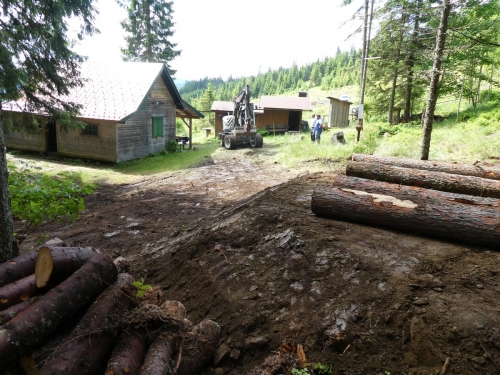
[[220, 38]]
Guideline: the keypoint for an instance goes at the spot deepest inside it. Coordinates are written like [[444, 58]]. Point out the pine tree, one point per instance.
[[36, 65], [150, 28]]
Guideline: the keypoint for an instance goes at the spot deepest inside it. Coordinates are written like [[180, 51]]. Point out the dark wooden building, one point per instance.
[[129, 110], [271, 112]]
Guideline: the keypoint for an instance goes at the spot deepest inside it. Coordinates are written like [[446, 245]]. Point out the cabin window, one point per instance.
[[157, 127], [91, 129]]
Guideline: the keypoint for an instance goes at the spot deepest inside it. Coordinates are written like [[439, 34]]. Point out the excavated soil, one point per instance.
[[235, 241]]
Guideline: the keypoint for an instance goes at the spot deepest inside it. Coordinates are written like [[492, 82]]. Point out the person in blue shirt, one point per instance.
[[318, 128]]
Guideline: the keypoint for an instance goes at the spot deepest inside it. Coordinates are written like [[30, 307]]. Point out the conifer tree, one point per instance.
[[150, 28], [37, 66]]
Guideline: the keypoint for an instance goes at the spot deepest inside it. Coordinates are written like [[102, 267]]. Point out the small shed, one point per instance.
[[339, 113], [129, 110], [283, 110], [221, 109]]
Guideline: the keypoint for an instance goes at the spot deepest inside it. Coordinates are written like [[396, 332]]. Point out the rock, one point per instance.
[[218, 371], [235, 354], [222, 352], [479, 360], [55, 242], [256, 342]]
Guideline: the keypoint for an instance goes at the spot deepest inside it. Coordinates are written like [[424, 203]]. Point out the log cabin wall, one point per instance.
[[135, 136], [97, 143], [272, 116], [24, 140]]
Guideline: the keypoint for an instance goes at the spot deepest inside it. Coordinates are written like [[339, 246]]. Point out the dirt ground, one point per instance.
[[235, 241]]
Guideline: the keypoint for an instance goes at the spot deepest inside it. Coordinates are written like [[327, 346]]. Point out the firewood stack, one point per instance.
[[439, 199], [68, 310]]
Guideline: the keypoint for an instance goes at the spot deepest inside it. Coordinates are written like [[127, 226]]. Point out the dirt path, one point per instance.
[[235, 241]]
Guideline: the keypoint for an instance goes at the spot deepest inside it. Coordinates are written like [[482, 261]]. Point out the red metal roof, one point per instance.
[[286, 102]]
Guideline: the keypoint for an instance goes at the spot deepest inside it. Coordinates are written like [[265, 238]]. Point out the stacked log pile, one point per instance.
[[68, 310], [444, 200]]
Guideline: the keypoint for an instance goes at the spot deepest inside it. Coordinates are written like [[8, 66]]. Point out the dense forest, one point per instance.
[[400, 52], [332, 72]]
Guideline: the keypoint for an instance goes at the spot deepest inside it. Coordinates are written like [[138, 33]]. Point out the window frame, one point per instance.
[[90, 130]]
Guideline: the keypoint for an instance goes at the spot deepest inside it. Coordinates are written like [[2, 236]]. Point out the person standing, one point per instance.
[[318, 129], [312, 123]]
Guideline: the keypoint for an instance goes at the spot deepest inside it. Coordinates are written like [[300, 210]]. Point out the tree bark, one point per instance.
[[86, 349], [157, 361], [464, 223], [410, 62], [128, 354], [42, 318], [18, 291], [452, 183], [396, 69], [7, 249], [12, 311], [66, 260], [434, 84], [198, 347], [432, 165], [412, 192]]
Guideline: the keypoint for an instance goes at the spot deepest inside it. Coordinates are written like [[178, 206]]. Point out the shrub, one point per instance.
[[172, 146]]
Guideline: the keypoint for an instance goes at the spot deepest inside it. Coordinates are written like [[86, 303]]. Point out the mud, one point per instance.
[[235, 241]]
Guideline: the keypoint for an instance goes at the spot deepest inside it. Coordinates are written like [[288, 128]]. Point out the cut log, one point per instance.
[[128, 355], [44, 266], [453, 183], [18, 291], [63, 258], [174, 310], [78, 354], [464, 223], [198, 347], [157, 361], [43, 317], [12, 311], [432, 165], [411, 192]]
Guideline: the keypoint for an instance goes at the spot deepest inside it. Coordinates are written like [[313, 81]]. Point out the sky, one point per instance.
[[223, 38]]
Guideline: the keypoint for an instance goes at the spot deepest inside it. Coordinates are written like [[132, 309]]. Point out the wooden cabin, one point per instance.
[[272, 112], [129, 110], [339, 112]]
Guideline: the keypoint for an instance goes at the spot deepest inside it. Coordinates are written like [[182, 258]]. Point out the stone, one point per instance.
[[222, 352], [235, 354], [256, 342]]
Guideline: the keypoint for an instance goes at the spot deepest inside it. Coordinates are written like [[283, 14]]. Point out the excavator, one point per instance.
[[239, 128]]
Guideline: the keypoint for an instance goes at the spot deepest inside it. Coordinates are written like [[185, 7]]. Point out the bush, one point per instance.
[[263, 132], [39, 199], [172, 146]]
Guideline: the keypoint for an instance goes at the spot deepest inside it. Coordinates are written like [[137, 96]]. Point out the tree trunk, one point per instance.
[[12, 311], [432, 165], [198, 347], [157, 361], [66, 260], [78, 354], [453, 183], [128, 355], [412, 192], [18, 291], [42, 318], [463, 223], [395, 70], [7, 249], [410, 63], [434, 84]]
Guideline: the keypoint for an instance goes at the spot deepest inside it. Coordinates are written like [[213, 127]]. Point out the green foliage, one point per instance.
[[321, 369], [39, 199], [390, 129], [302, 371], [172, 146], [141, 287], [150, 28], [263, 132]]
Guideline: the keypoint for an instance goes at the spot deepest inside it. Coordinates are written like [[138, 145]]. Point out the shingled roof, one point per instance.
[[285, 102]]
